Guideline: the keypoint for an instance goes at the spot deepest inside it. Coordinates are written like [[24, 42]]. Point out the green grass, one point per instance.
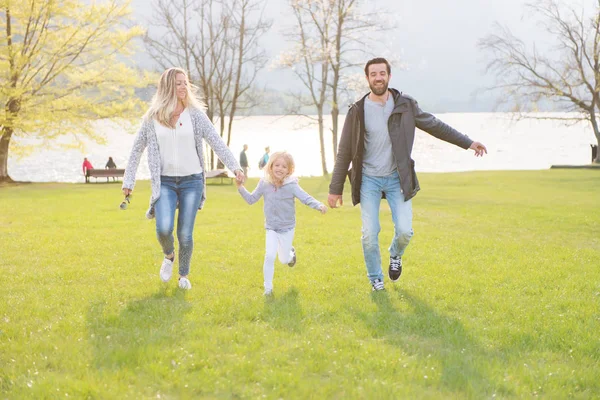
[[500, 297]]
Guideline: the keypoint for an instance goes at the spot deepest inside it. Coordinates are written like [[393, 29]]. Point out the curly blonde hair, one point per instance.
[[289, 160]]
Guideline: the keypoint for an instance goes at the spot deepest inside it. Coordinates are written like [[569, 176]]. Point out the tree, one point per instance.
[[217, 42], [566, 76], [330, 37], [353, 29], [310, 58], [248, 58], [60, 70]]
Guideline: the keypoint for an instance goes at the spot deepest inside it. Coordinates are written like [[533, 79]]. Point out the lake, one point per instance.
[[522, 145]]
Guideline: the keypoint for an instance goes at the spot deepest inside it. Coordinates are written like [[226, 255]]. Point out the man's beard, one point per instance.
[[379, 91]]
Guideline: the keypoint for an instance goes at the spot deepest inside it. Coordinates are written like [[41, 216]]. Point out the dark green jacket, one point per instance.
[[401, 125]]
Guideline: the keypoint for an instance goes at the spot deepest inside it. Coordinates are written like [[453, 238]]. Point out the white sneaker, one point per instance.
[[268, 292], [185, 284], [292, 257], [377, 285], [166, 269]]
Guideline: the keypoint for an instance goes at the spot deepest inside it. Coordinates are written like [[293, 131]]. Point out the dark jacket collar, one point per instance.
[[399, 99]]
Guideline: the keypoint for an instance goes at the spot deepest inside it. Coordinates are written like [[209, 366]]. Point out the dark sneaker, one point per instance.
[[293, 254], [377, 285], [395, 268]]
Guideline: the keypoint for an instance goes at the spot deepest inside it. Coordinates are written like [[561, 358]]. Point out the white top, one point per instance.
[[178, 156]]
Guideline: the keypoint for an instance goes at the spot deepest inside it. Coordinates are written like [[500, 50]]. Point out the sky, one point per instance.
[[436, 41]]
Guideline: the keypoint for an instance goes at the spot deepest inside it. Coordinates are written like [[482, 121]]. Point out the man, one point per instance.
[[377, 139], [244, 160]]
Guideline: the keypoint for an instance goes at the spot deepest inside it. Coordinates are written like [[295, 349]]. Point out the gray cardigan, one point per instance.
[[146, 137], [280, 211]]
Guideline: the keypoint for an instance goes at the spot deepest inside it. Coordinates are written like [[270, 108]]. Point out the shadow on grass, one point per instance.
[[145, 328], [424, 332], [284, 312]]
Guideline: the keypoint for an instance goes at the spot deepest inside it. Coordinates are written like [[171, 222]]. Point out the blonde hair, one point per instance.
[[164, 101], [287, 157]]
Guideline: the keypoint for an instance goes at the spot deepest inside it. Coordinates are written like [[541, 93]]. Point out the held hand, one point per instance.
[[323, 209], [239, 177], [127, 192], [479, 148], [333, 199]]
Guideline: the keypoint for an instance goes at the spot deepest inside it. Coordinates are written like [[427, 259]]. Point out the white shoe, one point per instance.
[[166, 269], [292, 257], [377, 285], [185, 284], [268, 292]]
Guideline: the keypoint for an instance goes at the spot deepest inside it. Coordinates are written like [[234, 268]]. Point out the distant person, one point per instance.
[[110, 164], [244, 160], [87, 165], [174, 129], [377, 139], [264, 159], [279, 189]]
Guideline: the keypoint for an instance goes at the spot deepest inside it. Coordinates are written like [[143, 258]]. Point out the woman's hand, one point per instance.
[[323, 209], [239, 177], [127, 192]]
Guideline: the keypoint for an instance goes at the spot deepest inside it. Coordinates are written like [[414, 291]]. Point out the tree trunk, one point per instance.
[[597, 134], [335, 112], [238, 74], [12, 107], [322, 141], [4, 146]]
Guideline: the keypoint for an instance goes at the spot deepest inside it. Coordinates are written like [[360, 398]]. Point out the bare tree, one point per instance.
[[249, 57], [186, 33], [217, 42], [353, 29], [310, 60], [331, 38], [566, 75]]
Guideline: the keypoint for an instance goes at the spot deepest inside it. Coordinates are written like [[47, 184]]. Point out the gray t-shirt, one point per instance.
[[378, 158]]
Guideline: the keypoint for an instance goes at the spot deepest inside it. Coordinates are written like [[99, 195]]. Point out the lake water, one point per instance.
[[523, 145]]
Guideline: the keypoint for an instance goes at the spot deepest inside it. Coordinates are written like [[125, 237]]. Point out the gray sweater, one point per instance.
[[280, 211]]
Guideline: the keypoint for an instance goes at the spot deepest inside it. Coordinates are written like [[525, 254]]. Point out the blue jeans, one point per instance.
[[185, 192], [371, 190]]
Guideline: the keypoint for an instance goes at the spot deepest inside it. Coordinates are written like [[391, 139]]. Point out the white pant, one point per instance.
[[276, 244]]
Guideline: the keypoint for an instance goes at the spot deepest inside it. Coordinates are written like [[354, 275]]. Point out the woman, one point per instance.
[[173, 130], [110, 164]]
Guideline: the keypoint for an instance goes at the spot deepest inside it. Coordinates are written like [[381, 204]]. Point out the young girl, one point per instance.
[[279, 189]]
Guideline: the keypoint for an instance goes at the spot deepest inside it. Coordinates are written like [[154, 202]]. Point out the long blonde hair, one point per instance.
[[164, 101], [287, 157]]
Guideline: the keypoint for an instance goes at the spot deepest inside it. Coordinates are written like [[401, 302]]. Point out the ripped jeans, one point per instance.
[[185, 191], [371, 190]]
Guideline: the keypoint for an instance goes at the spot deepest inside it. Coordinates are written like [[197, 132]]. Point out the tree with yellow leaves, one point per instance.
[[63, 65]]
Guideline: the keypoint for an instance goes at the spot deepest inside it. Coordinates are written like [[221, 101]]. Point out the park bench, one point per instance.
[[218, 174], [103, 173]]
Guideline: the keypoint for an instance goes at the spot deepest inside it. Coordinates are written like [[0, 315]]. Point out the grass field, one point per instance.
[[500, 297]]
